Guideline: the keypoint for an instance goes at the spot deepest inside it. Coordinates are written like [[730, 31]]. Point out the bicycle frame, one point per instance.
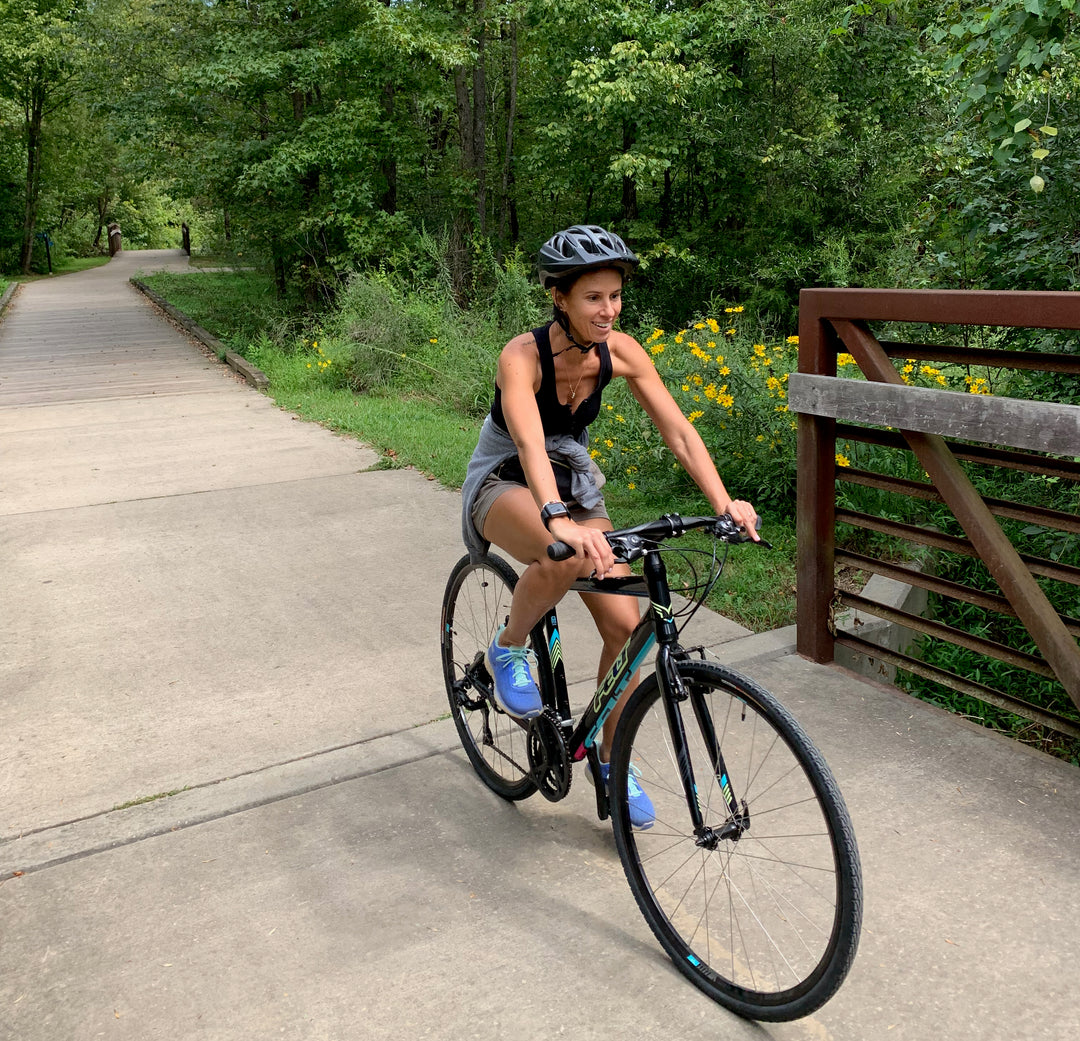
[[656, 627]]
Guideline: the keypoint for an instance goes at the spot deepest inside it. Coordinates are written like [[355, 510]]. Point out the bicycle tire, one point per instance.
[[767, 924], [475, 604]]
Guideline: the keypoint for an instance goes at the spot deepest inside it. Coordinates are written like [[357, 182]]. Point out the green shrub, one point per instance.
[[733, 388], [388, 336]]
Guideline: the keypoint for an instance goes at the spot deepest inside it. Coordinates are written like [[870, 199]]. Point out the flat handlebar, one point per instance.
[[630, 543]]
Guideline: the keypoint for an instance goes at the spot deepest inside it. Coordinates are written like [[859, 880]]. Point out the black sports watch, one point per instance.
[[550, 510]]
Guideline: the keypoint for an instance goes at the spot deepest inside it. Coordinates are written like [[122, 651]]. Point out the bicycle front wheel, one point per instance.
[[476, 603], [761, 907]]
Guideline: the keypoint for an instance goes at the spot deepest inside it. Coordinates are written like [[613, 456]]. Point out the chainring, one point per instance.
[[549, 758]]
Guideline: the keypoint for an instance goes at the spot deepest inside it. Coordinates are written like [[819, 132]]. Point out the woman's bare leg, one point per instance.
[[513, 524], [615, 618]]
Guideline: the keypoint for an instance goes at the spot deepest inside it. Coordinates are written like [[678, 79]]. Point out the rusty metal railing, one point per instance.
[[943, 429]]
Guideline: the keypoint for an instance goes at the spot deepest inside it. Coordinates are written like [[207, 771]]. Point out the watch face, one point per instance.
[[552, 510]]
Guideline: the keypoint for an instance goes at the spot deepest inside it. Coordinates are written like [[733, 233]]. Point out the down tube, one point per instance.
[[607, 695]]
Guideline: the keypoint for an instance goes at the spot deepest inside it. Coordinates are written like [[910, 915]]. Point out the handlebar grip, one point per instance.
[[560, 551]]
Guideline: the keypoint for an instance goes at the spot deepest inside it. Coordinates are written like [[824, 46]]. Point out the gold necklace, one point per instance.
[[573, 389]]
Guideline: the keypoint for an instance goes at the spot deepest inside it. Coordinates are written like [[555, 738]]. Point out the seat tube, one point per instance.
[[557, 696]]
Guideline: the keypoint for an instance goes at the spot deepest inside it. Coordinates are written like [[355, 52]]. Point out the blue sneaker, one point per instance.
[[642, 814], [516, 693]]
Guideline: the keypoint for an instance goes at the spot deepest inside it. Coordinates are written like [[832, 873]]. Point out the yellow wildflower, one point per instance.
[[842, 460]]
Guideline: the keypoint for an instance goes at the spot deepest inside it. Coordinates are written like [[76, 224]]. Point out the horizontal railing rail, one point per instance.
[[943, 429]]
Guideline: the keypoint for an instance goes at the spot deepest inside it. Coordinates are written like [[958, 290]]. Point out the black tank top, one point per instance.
[[556, 417]]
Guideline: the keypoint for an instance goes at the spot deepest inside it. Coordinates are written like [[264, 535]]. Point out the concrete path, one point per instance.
[[231, 805]]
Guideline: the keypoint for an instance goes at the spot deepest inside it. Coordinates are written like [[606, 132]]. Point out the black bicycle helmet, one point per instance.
[[580, 248]]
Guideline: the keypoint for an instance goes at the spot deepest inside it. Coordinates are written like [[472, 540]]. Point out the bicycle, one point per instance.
[[750, 875]]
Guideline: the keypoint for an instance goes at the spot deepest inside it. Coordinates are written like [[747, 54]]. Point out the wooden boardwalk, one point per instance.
[[94, 337]]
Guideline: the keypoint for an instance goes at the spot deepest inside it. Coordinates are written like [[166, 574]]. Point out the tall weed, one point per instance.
[[392, 336]]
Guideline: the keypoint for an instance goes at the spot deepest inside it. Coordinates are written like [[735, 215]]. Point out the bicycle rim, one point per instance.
[[476, 603], [766, 923]]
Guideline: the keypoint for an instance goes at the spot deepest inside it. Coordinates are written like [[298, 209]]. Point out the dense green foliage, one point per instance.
[[746, 149]]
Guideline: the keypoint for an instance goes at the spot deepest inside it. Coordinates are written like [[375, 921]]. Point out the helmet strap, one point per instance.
[[562, 319]]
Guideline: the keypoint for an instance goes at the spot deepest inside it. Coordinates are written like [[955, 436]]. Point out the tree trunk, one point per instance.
[[388, 164], [35, 113], [507, 210], [102, 210], [666, 202], [472, 134], [479, 121], [629, 186]]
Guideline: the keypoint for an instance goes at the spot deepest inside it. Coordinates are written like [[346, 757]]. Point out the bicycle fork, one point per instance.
[[674, 693]]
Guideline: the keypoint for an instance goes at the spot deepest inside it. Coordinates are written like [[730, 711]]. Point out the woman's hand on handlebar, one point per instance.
[[588, 543], [743, 514]]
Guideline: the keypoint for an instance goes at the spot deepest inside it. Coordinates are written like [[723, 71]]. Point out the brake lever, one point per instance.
[[727, 530]]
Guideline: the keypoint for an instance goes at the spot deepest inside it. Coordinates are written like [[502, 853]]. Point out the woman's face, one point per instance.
[[593, 304]]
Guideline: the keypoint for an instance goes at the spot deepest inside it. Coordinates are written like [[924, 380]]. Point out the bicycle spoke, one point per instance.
[[756, 908], [476, 603]]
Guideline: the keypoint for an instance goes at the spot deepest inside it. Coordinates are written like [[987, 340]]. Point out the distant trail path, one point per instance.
[[91, 336]]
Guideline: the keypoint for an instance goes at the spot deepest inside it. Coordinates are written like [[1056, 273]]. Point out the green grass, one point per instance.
[[67, 266], [236, 306], [418, 430]]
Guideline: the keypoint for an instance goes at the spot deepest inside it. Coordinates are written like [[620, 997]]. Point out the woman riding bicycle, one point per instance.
[[531, 481]]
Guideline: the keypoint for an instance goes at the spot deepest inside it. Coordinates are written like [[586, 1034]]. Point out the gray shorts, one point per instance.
[[494, 486]]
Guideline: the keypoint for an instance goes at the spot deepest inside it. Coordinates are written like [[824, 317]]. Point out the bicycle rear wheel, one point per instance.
[[762, 909], [476, 603]]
